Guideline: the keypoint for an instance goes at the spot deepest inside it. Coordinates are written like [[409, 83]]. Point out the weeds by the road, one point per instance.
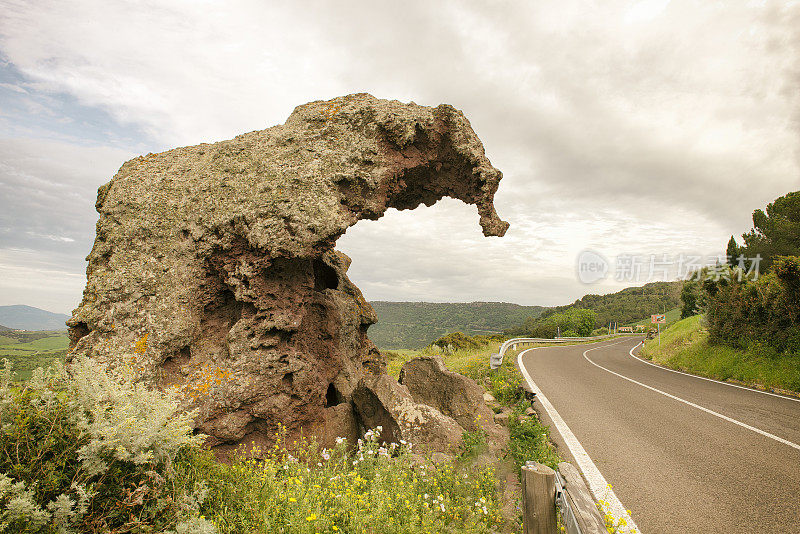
[[297, 488], [614, 525]]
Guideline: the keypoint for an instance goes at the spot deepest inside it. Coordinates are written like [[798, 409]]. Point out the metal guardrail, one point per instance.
[[568, 519], [496, 360]]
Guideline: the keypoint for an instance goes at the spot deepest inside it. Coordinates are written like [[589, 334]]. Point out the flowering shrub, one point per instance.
[[296, 488], [92, 453]]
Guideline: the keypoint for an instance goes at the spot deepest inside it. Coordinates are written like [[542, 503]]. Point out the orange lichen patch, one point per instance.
[[141, 346], [209, 377], [330, 110]]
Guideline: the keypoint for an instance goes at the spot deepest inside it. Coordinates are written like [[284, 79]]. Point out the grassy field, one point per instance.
[[685, 347], [25, 356]]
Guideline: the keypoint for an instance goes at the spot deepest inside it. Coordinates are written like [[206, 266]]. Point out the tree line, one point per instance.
[[593, 312]]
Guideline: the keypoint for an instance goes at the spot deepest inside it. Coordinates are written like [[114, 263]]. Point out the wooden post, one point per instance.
[[538, 499]]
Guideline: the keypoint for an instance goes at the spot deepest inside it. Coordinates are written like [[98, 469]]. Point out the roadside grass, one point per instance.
[[685, 347]]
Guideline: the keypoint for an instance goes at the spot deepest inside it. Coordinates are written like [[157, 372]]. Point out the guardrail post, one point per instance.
[[538, 499]]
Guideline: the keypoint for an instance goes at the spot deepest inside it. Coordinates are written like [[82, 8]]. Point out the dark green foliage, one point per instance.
[[574, 322], [39, 443], [414, 325], [766, 311], [624, 307], [456, 341], [690, 295], [460, 341], [732, 252], [776, 232]]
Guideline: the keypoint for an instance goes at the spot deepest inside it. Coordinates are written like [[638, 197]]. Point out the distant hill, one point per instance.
[[628, 306], [30, 318], [413, 325]]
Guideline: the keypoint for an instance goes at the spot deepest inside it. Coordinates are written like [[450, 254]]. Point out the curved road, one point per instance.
[[684, 454]]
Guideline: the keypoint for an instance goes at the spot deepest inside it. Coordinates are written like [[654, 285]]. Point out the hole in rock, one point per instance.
[[288, 379], [324, 276], [333, 397], [428, 254]]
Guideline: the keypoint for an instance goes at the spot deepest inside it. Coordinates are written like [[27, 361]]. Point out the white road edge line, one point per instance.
[[712, 380], [600, 488], [693, 405]]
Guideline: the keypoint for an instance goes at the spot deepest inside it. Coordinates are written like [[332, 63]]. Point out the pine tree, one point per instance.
[[732, 252]]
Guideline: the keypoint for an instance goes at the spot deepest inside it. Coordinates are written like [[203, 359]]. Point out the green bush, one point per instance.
[[90, 452], [741, 310], [530, 439], [456, 341]]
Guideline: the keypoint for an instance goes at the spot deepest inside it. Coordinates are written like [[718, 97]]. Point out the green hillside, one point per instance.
[[685, 346], [624, 307], [30, 318], [28, 350], [413, 325]]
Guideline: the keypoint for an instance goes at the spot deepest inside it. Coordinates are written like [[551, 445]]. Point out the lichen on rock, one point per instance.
[[214, 271]]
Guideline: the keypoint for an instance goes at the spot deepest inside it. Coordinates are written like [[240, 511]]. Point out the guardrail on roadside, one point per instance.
[[544, 490], [496, 360]]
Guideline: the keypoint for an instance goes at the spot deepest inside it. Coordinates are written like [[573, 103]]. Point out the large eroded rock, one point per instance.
[[459, 397], [213, 269]]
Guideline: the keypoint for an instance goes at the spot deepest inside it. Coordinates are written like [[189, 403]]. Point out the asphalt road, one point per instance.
[[678, 468]]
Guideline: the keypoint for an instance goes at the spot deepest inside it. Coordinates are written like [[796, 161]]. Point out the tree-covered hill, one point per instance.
[[623, 307], [413, 325]]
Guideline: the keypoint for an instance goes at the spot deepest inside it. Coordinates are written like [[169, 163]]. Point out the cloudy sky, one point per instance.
[[625, 127]]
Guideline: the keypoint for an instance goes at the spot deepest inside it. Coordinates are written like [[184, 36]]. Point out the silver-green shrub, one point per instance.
[[85, 450]]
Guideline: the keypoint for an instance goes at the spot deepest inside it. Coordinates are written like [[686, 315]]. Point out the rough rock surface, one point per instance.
[[430, 383], [213, 269], [381, 401]]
